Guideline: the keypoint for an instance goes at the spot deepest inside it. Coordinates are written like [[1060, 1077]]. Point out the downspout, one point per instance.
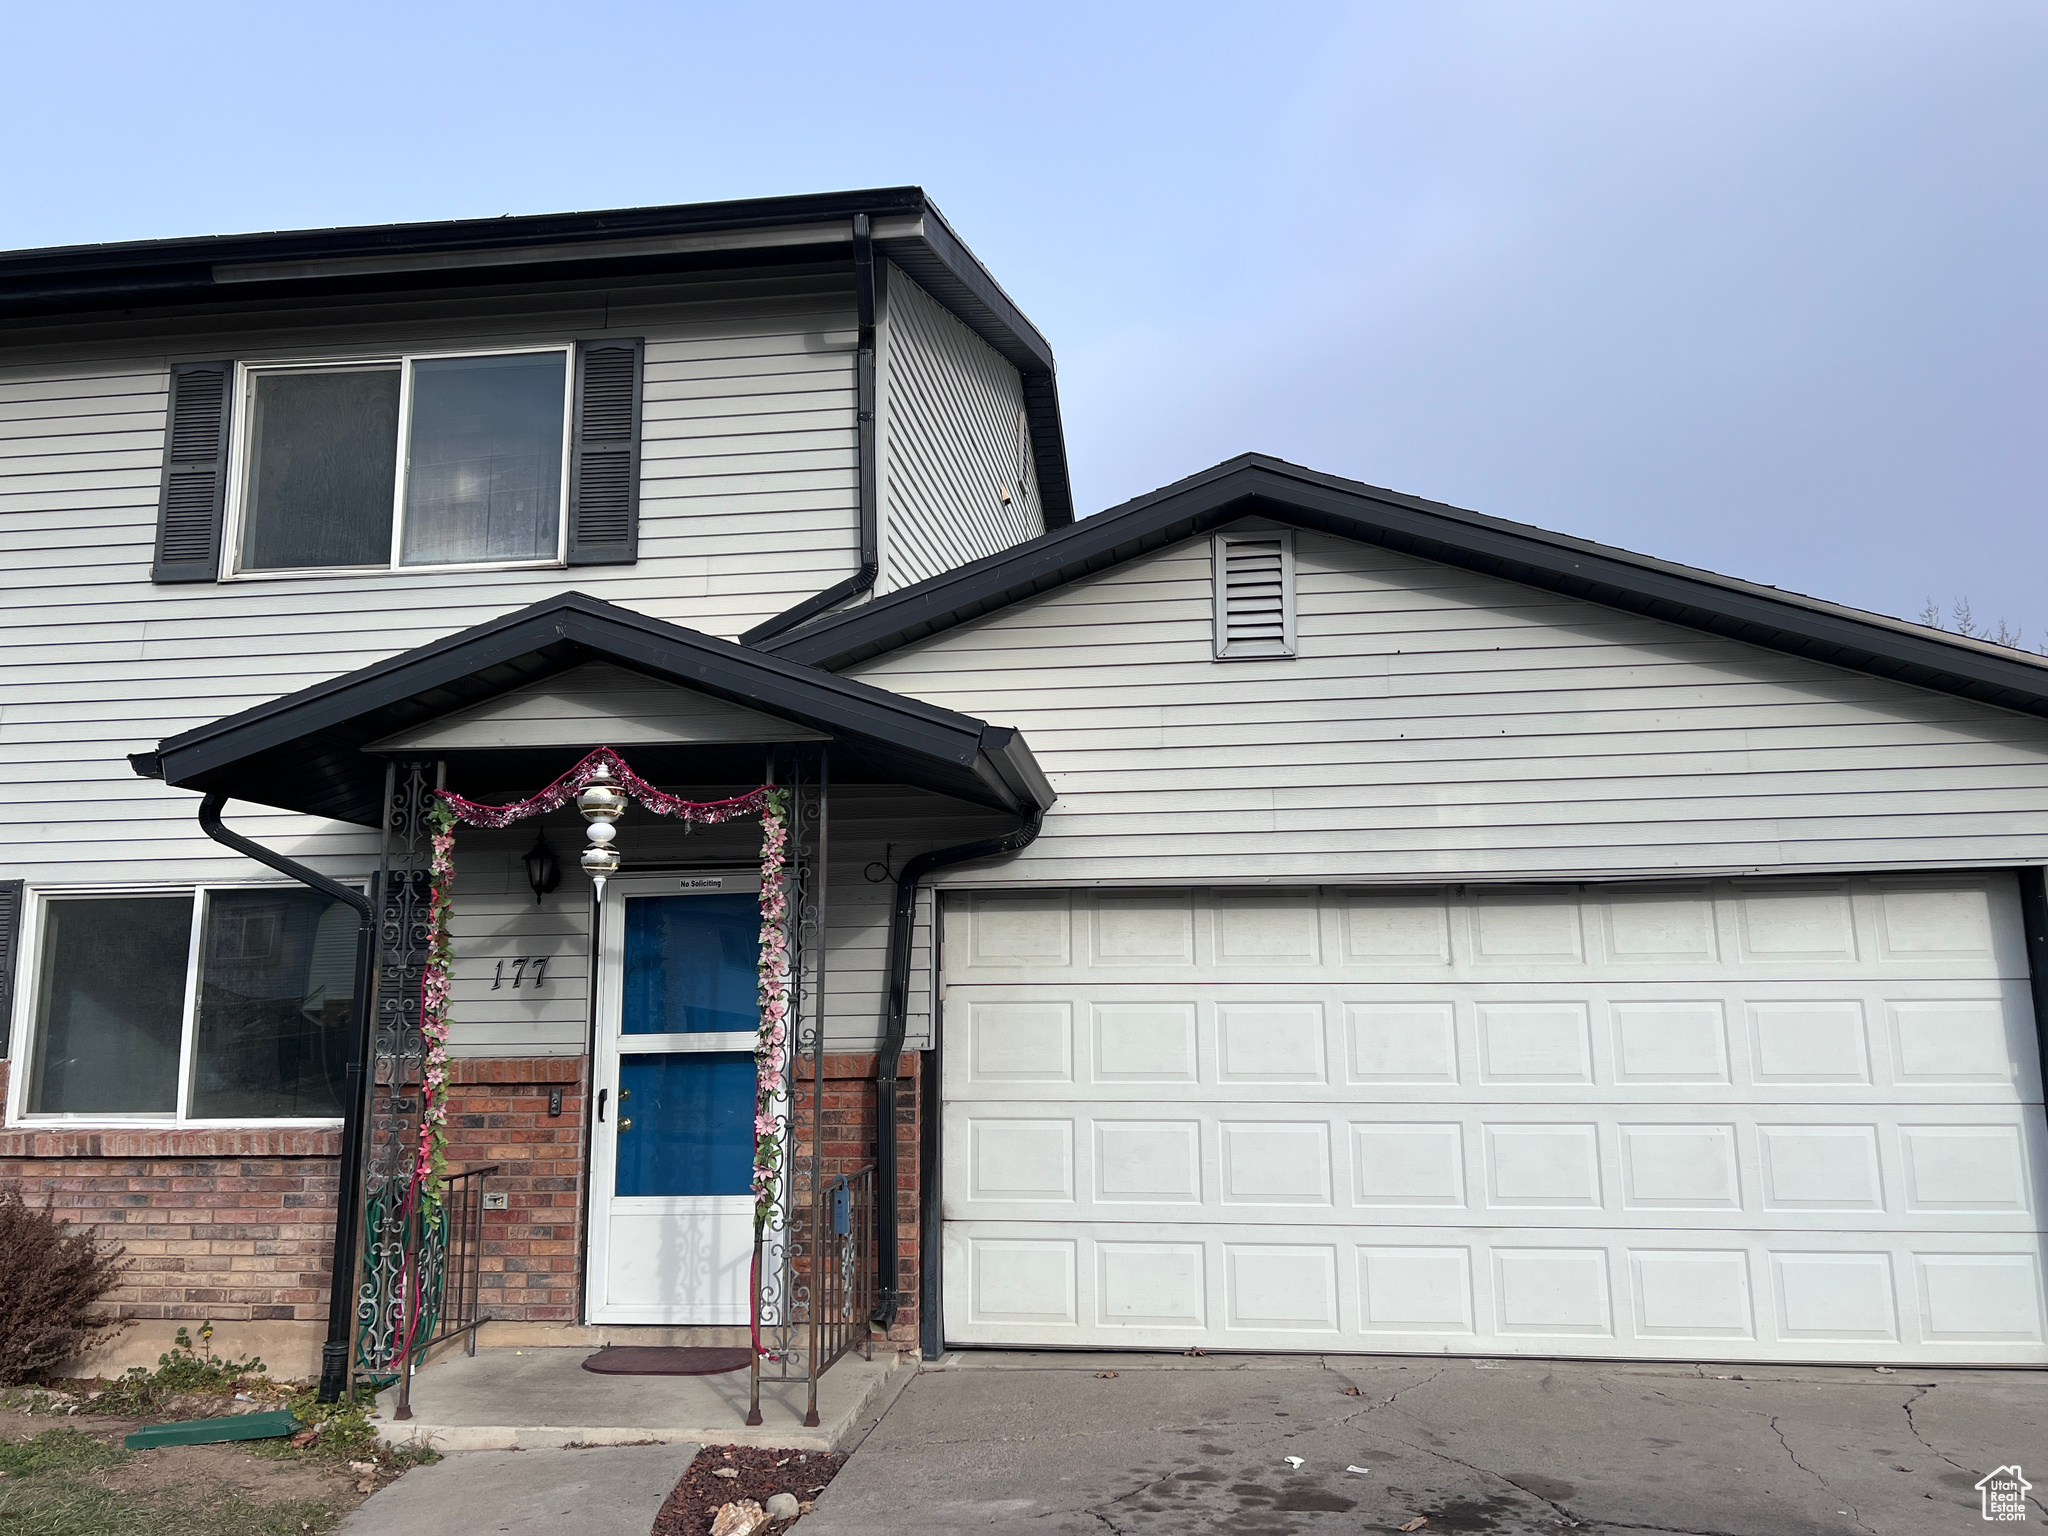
[[862, 580], [896, 1025], [348, 1213]]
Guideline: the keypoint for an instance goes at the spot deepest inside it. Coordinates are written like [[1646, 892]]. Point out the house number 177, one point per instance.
[[519, 965]]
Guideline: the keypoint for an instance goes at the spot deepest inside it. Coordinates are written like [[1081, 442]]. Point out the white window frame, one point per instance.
[[1219, 566], [28, 984], [241, 418]]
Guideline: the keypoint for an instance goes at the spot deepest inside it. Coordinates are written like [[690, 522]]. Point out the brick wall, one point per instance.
[[236, 1226], [233, 1226], [498, 1114], [848, 1125]]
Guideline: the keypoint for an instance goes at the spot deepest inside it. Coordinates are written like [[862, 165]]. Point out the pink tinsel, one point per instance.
[[569, 785]]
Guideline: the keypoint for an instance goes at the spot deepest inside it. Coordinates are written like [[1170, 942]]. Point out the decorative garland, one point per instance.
[[771, 1048]]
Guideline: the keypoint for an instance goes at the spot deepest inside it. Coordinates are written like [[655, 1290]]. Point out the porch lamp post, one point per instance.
[[602, 803], [543, 869]]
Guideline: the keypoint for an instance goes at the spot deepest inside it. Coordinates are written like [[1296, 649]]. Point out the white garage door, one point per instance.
[[1775, 1119]]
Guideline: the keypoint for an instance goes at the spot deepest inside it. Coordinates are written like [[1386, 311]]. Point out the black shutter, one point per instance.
[[195, 473], [604, 475], [10, 942]]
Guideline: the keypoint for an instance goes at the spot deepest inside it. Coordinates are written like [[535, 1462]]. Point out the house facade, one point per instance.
[[1275, 914]]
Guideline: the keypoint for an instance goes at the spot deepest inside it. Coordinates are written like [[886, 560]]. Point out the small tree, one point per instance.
[[52, 1280], [1962, 621]]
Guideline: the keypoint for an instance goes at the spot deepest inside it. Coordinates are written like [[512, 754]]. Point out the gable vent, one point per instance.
[[1254, 576]]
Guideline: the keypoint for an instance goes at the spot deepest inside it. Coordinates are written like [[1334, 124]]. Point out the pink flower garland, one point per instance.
[[771, 1047], [771, 1050]]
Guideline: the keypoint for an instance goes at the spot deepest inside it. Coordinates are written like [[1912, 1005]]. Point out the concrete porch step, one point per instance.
[[528, 1399]]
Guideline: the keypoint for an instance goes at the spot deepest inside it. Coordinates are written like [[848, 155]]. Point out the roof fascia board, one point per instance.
[[540, 230], [836, 704], [1615, 578], [831, 232]]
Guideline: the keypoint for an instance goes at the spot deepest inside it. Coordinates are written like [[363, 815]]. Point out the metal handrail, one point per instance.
[[457, 1251], [843, 1295]]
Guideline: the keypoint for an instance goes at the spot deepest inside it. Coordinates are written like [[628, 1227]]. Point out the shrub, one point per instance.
[[51, 1281]]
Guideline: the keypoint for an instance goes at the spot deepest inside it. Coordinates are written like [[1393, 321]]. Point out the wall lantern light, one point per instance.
[[543, 869]]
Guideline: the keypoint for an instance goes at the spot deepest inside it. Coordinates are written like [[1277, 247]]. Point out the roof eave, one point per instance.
[[1256, 485], [336, 721], [215, 273]]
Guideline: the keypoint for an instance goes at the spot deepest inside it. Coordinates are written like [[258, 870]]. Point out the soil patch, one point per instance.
[[698, 1497], [227, 1486]]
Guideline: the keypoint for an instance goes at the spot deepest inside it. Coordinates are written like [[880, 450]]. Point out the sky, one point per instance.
[[1758, 287]]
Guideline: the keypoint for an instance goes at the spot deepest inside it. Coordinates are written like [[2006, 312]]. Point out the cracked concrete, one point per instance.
[[1052, 1444]]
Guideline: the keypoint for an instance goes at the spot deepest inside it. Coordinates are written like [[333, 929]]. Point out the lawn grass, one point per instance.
[[47, 1491]]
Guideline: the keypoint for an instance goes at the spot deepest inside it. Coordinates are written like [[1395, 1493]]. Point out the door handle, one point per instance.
[[602, 1095], [624, 1126]]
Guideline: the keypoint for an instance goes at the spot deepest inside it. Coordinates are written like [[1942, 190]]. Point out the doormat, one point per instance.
[[658, 1360]]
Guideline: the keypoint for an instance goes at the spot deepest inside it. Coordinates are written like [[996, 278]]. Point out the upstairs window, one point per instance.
[[415, 461], [1254, 579]]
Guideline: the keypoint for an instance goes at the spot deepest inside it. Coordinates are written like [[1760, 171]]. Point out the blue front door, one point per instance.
[[673, 1147]]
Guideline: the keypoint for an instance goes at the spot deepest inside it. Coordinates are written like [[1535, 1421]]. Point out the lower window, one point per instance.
[[218, 1004]]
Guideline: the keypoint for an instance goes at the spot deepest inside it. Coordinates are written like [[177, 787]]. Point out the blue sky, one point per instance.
[[1755, 286]]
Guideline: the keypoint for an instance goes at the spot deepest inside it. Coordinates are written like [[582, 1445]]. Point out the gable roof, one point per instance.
[[316, 750], [1254, 484], [220, 272]]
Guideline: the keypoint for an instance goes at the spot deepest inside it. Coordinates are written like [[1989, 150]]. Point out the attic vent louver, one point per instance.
[[1254, 595]]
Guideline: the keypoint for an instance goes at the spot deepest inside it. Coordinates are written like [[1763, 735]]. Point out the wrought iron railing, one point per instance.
[[843, 1291], [449, 1276]]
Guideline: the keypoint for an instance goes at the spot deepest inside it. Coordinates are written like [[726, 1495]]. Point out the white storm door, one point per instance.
[[672, 1148]]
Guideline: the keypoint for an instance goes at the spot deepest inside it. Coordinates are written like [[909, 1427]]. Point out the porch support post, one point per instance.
[[817, 1230], [355, 1091]]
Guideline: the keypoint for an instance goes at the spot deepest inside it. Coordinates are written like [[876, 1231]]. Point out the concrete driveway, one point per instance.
[[1051, 1444]]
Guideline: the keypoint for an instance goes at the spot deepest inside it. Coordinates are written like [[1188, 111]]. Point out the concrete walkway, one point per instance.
[[610, 1491], [1053, 1446], [533, 1399]]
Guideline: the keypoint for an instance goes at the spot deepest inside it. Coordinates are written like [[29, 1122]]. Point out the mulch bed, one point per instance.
[[698, 1497]]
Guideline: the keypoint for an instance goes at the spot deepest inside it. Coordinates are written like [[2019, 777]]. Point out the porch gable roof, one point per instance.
[[314, 750]]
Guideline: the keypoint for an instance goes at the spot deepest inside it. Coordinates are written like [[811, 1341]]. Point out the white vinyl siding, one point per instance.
[[953, 443], [1442, 724], [748, 505], [1720, 1120]]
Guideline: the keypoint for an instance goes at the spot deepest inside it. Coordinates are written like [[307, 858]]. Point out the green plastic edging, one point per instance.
[[239, 1426]]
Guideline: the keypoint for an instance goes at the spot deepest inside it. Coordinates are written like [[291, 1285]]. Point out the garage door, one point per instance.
[[1767, 1120]]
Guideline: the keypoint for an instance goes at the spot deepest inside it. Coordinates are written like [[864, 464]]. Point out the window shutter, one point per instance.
[[1254, 595], [604, 478], [195, 473], [10, 944]]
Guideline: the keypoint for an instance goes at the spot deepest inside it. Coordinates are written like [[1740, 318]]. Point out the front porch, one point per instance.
[[545, 1030], [535, 1398]]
